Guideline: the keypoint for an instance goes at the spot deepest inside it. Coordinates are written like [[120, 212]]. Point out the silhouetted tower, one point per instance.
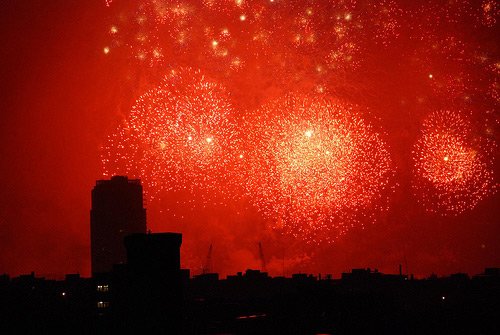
[[117, 211], [262, 259], [151, 290], [207, 267]]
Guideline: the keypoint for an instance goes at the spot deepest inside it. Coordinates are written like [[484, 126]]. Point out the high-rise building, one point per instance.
[[117, 211]]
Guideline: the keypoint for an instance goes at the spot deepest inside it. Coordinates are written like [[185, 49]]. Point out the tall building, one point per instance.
[[149, 288], [117, 211]]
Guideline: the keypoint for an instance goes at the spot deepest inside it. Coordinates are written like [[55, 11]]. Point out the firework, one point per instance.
[[400, 59], [178, 135], [452, 165], [277, 38], [315, 168]]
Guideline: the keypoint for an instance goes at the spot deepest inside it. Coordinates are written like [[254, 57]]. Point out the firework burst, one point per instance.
[[452, 165], [178, 135], [315, 168]]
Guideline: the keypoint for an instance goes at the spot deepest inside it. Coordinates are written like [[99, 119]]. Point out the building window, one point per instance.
[[102, 304], [102, 288]]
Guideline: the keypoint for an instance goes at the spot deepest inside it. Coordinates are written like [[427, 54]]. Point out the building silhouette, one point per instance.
[[117, 211], [147, 290], [159, 252]]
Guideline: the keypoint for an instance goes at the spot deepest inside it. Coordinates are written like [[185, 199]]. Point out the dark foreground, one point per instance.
[[361, 302]]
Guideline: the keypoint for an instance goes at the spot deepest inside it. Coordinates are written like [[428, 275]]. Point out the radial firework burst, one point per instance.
[[452, 164], [315, 168], [178, 135]]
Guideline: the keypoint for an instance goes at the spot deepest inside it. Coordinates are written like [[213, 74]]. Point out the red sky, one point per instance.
[[60, 97]]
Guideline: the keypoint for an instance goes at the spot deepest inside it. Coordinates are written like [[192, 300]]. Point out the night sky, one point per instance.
[[339, 134]]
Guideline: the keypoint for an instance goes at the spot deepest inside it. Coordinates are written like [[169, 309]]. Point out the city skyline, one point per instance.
[[149, 292]]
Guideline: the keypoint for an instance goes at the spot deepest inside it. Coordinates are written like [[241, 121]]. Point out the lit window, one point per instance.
[[102, 304], [102, 288]]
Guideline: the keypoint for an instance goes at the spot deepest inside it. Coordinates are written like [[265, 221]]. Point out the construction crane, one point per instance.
[[262, 259], [207, 267]]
